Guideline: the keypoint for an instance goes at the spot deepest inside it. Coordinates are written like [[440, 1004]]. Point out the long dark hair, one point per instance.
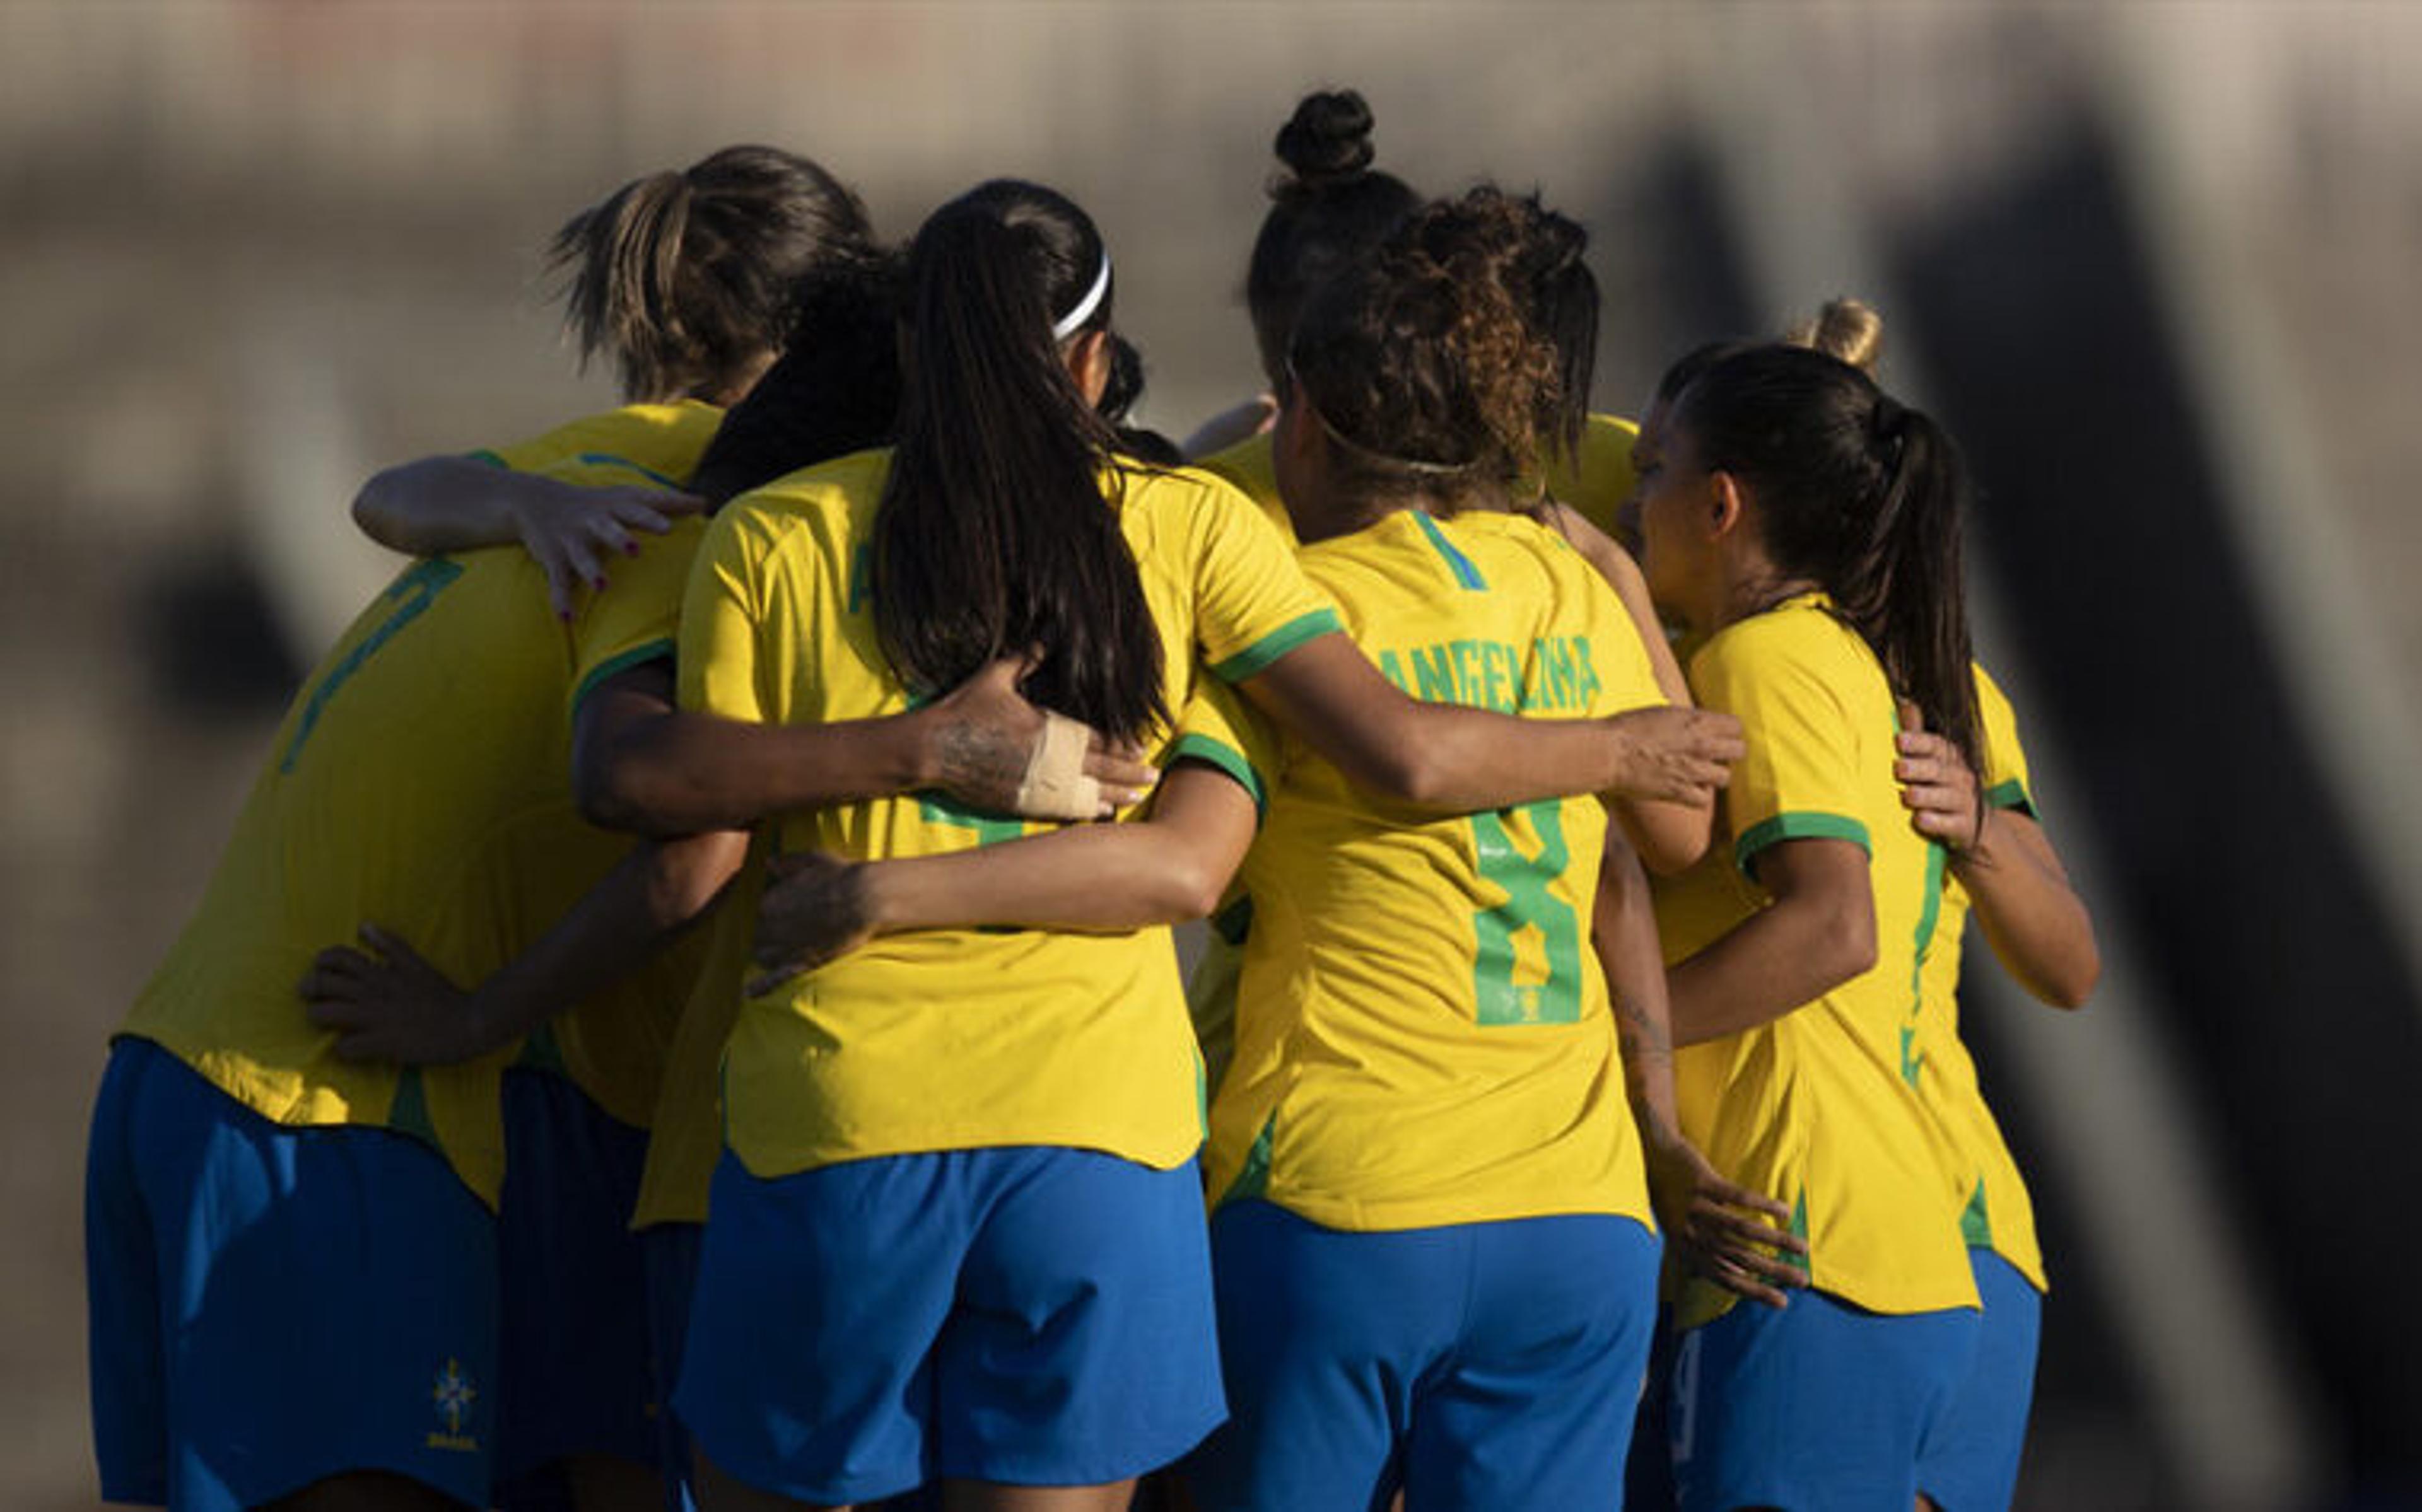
[[1859, 492], [683, 279], [835, 389], [1422, 361], [1328, 209], [993, 537]]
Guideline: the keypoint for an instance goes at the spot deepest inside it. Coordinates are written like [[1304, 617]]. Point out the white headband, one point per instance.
[[1070, 323]]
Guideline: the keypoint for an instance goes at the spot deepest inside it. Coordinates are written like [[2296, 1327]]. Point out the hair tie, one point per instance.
[[1070, 323]]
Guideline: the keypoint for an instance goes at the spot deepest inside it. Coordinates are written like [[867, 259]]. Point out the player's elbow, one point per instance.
[[1841, 937], [374, 513], [2073, 977], [1188, 887], [686, 876]]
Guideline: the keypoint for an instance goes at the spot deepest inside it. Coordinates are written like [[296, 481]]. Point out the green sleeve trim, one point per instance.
[[1219, 754], [492, 458], [612, 667], [2011, 794], [1801, 826], [1277, 642]]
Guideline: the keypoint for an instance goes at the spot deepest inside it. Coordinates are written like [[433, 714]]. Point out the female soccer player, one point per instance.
[[1007, 1119], [1807, 526]]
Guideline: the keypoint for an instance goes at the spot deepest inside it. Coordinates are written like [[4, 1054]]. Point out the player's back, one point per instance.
[[418, 780]]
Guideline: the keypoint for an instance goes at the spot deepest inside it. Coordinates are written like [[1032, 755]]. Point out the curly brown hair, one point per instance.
[[1424, 359]]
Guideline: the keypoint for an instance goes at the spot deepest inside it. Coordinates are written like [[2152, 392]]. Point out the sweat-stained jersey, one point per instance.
[[420, 781], [1424, 1036], [1996, 1213], [961, 1038], [1823, 1108]]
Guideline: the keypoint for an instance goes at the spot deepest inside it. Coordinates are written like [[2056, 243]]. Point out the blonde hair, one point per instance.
[[1846, 328]]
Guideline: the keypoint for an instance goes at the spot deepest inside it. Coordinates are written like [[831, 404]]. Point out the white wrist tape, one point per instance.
[[1055, 786]]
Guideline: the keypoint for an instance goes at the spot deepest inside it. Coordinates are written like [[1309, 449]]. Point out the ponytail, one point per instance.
[[1861, 493], [685, 280], [993, 537]]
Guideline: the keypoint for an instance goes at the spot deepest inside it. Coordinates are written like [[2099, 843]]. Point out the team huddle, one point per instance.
[[689, 1016]]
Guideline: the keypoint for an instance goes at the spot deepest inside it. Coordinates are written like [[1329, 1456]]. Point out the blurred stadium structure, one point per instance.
[[2155, 263]]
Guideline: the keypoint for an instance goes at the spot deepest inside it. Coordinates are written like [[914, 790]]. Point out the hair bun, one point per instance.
[[1328, 138], [1847, 329]]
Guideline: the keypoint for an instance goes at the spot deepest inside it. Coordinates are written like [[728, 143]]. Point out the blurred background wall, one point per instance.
[[2156, 264]]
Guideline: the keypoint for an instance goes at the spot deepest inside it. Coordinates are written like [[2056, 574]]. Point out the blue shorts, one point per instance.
[[572, 1372], [273, 1305], [1028, 1316], [1480, 1366], [1815, 1406], [1970, 1459], [668, 1256]]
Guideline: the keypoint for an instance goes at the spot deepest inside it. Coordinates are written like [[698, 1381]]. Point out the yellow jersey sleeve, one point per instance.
[[1220, 730], [1253, 603], [717, 648], [1249, 468], [1598, 479], [2005, 758], [1794, 780]]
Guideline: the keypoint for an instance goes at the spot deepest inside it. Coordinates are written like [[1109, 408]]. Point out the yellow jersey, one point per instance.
[[1600, 478], [1822, 1108], [1422, 1032], [420, 781], [1997, 1213], [961, 1038], [1597, 484]]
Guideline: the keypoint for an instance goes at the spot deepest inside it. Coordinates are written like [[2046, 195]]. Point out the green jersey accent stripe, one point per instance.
[[606, 458], [1913, 1060], [413, 592], [1976, 1224], [1219, 754], [660, 648], [1799, 1230], [1465, 574], [1805, 825], [484, 455], [1253, 1177], [409, 1112], [1277, 642]]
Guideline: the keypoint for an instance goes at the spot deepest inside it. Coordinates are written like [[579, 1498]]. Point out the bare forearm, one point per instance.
[[1446, 757], [1817, 933], [441, 504], [2032, 916], [1669, 837], [1624, 933], [680, 773], [657, 892], [1101, 877]]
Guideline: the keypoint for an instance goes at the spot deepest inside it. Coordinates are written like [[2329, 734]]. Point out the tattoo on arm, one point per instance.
[[1638, 1032], [976, 757]]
